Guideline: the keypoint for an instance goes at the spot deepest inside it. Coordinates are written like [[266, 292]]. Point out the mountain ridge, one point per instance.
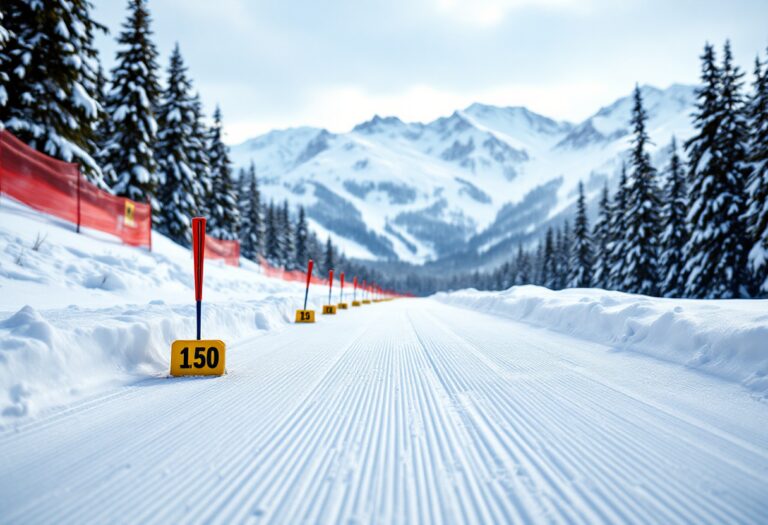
[[424, 192]]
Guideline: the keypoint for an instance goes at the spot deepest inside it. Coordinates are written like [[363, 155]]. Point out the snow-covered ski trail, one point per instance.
[[404, 412]]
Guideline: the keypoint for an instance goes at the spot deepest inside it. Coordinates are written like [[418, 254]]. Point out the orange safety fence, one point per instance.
[[300, 276], [57, 188], [228, 251], [288, 275]]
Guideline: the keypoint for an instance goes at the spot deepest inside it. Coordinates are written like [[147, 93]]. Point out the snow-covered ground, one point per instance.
[[526, 406], [80, 313], [726, 338]]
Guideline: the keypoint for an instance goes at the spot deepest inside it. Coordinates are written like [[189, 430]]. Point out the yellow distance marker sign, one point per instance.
[[329, 309], [305, 316], [130, 214], [366, 301], [355, 303], [343, 306], [198, 358]]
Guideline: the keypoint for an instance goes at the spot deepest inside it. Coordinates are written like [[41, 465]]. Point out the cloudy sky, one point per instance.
[[334, 63]]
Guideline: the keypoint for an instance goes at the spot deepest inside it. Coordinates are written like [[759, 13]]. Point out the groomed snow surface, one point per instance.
[[581, 406]]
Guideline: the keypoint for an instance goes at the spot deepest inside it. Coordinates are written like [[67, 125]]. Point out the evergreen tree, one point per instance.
[[301, 240], [103, 129], [199, 156], [618, 247], [601, 236], [180, 191], [329, 260], [675, 229], [549, 261], [716, 251], [48, 69], [272, 239], [582, 259], [287, 237], [251, 232], [639, 270], [5, 59], [222, 204], [563, 256], [129, 148], [315, 251], [539, 266], [523, 275], [757, 214]]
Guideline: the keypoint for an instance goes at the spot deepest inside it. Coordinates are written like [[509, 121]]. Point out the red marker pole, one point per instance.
[[341, 293], [354, 293], [330, 285], [198, 253], [309, 276]]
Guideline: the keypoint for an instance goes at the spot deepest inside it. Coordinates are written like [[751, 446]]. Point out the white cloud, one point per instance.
[[493, 12]]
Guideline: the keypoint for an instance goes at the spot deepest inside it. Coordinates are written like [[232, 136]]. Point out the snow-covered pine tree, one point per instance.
[[129, 149], [617, 247], [674, 227], [582, 257], [640, 269], [523, 260], [301, 249], [329, 259], [222, 206], [287, 239], [563, 250], [314, 251], [538, 274], [180, 192], [252, 231], [716, 251], [48, 79], [199, 156], [601, 239], [757, 213], [272, 236], [5, 36], [103, 128], [549, 261]]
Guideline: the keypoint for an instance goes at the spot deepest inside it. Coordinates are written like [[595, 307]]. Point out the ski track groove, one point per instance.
[[710, 508], [401, 412]]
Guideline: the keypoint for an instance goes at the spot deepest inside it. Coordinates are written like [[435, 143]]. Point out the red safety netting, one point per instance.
[[301, 277], [288, 275], [228, 251], [57, 188]]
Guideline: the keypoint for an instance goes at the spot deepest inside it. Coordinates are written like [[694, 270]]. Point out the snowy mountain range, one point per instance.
[[467, 186]]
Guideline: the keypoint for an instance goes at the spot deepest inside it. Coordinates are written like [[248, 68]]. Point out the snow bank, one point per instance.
[[57, 356], [726, 338], [82, 312]]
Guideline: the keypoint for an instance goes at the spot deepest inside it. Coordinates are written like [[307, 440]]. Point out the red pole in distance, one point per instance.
[[309, 276], [198, 253], [341, 293], [354, 293], [330, 285]]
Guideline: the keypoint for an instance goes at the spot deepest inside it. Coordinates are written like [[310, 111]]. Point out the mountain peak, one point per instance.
[[379, 124]]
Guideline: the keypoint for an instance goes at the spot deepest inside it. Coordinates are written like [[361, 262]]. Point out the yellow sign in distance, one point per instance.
[[355, 303], [130, 214], [329, 309], [343, 306], [305, 316], [366, 301], [198, 358]]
